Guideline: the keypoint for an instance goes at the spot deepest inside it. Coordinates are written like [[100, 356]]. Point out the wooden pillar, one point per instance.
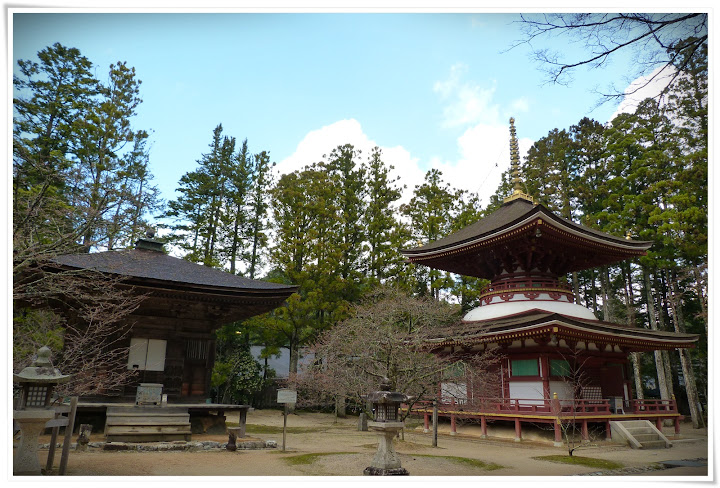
[[558, 434], [242, 420], [65, 455], [518, 430], [585, 435], [483, 427], [677, 425], [658, 423], [453, 425], [51, 450], [545, 369], [435, 423], [426, 427], [212, 349]]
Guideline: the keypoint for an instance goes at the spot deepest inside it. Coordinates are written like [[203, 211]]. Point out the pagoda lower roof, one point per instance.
[[541, 324], [157, 269], [525, 232]]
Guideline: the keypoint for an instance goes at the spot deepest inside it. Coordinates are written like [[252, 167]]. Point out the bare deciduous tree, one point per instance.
[[385, 337], [662, 43], [82, 315]]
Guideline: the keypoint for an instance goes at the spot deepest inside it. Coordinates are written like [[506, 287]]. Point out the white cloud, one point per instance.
[[521, 105], [652, 89], [484, 153], [466, 102], [483, 149], [321, 141]]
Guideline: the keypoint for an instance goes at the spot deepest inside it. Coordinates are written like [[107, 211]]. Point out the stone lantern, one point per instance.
[[33, 411], [387, 424]]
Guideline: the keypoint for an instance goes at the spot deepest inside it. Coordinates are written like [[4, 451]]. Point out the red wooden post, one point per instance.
[[677, 425], [608, 432], [558, 434], [658, 423], [483, 427], [426, 428], [518, 430], [453, 426], [585, 435]]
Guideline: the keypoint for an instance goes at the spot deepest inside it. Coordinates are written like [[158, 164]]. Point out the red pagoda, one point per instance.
[[528, 313]]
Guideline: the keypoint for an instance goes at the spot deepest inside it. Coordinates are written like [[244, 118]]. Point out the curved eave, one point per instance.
[[570, 329], [281, 292], [540, 217], [217, 291]]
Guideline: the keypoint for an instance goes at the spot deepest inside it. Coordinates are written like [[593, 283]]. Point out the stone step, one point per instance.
[[659, 444], [631, 424], [642, 438], [641, 430], [118, 421], [147, 424], [640, 434], [148, 429]]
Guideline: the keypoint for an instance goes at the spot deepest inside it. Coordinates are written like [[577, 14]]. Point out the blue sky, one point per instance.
[[431, 89]]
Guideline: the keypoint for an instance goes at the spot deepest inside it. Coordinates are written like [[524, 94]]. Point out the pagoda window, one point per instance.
[[559, 367], [524, 367], [147, 354]]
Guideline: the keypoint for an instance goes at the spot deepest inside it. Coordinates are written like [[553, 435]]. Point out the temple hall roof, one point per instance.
[[157, 267]]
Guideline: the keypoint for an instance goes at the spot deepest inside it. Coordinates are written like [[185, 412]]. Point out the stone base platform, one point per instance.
[[373, 471]]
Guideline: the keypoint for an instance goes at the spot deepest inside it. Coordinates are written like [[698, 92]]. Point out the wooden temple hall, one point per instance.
[[171, 343], [559, 363]]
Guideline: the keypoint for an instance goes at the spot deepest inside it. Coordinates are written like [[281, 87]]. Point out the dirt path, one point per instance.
[[341, 450]]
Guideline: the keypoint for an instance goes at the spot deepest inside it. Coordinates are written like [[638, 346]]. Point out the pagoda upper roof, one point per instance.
[[539, 323], [484, 248]]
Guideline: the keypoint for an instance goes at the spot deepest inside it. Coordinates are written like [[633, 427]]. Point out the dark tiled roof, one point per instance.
[[508, 215], [493, 327], [153, 265]]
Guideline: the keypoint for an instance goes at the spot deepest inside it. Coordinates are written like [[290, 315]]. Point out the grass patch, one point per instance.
[[305, 459], [475, 463], [582, 461]]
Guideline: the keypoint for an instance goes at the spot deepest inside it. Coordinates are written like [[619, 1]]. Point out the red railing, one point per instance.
[[525, 285], [548, 407], [653, 406]]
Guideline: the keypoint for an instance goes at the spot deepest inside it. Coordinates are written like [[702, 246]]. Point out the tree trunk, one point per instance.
[[659, 365], [576, 286], [635, 361], [635, 357], [687, 369], [663, 305], [340, 407], [699, 289], [605, 289], [294, 358]]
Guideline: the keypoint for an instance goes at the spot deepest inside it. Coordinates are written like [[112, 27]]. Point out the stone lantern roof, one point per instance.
[[41, 371], [387, 397]]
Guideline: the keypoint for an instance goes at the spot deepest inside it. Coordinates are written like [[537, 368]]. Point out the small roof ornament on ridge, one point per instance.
[[149, 243]]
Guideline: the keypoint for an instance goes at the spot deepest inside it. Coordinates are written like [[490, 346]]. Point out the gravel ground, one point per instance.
[[320, 445]]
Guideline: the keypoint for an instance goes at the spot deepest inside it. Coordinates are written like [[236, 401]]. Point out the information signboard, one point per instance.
[[286, 395]]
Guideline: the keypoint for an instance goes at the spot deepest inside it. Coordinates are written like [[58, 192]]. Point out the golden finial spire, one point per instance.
[[515, 167]]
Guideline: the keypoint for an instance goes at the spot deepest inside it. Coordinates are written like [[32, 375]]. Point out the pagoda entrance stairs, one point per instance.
[[147, 424], [640, 434]]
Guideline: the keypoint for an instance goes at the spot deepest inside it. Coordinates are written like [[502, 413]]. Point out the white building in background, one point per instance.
[[280, 363]]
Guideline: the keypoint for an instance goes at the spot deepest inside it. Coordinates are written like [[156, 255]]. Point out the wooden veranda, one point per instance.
[[555, 411]]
